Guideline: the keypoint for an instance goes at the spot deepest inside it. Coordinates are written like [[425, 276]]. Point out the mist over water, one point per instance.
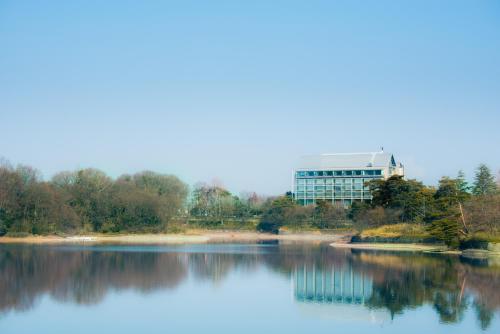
[[223, 288]]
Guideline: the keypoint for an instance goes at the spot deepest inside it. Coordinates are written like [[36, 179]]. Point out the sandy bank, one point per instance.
[[190, 237]]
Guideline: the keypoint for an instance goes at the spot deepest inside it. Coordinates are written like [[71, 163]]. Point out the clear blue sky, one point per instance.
[[237, 90]]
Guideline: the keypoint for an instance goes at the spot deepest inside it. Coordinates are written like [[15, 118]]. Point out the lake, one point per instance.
[[243, 288]]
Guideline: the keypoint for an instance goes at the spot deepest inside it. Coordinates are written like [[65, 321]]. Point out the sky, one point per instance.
[[237, 91]]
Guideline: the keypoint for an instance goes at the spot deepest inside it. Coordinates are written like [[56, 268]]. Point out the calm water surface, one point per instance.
[[243, 288]]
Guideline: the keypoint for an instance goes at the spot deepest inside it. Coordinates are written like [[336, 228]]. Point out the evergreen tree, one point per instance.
[[462, 184], [408, 196], [484, 182], [448, 222]]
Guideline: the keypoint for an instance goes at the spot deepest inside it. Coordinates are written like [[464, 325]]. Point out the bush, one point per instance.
[[446, 230], [267, 226], [3, 229], [109, 227], [473, 243], [375, 217]]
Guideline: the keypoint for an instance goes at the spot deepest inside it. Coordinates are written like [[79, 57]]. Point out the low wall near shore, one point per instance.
[[394, 240], [480, 244]]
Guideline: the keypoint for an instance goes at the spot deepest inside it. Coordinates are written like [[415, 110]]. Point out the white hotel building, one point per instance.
[[341, 177]]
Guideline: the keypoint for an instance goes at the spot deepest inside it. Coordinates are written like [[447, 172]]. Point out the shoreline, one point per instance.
[[335, 240], [470, 253], [189, 237]]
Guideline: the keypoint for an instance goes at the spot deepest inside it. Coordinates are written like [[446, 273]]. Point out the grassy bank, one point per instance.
[[396, 233], [416, 237], [418, 233]]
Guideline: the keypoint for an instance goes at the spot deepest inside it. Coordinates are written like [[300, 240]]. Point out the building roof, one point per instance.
[[346, 160]]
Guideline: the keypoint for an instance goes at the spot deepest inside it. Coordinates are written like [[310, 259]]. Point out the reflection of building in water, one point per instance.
[[331, 285], [336, 292]]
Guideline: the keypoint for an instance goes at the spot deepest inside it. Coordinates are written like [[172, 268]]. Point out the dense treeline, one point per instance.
[[87, 200]]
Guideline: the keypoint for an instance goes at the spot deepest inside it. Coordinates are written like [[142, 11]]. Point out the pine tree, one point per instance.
[[462, 184], [484, 182], [449, 223]]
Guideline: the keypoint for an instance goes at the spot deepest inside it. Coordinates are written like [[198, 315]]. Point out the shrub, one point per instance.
[[109, 227], [474, 242], [269, 226], [446, 230]]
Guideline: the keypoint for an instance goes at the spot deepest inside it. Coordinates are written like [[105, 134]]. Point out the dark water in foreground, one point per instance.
[[243, 288]]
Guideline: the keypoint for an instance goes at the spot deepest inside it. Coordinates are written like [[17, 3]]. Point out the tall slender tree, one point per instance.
[[484, 182], [462, 184]]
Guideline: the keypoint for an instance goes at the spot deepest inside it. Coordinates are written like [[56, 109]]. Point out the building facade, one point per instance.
[[341, 177]]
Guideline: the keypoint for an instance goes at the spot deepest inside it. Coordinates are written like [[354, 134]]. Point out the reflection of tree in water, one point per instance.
[[443, 282], [81, 276], [99, 271], [484, 315], [215, 266], [405, 280], [413, 280], [395, 282]]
